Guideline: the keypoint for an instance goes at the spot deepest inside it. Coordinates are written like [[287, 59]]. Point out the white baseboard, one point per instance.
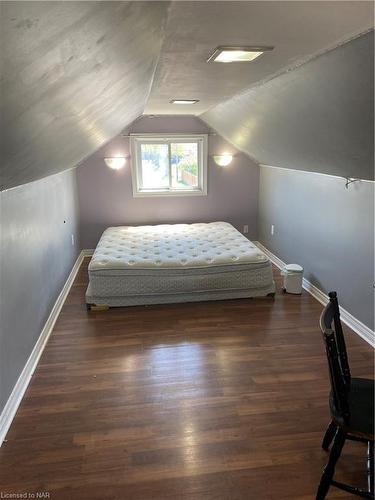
[[23, 381], [357, 326], [87, 252], [275, 260]]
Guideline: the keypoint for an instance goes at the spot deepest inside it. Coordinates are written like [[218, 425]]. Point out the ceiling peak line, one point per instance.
[[163, 30]]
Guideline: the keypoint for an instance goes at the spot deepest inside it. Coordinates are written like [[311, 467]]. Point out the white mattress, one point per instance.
[[176, 263], [174, 246]]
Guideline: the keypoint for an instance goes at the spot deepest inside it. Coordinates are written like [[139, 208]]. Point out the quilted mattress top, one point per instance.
[[174, 246]]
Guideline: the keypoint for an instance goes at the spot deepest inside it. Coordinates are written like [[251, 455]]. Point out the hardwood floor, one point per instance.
[[216, 400]]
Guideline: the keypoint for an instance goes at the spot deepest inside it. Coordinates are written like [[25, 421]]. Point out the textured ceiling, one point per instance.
[[73, 75], [318, 118], [297, 29]]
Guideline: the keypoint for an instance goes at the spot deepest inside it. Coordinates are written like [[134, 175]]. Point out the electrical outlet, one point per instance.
[[272, 229], [73, 240], [245, 229]]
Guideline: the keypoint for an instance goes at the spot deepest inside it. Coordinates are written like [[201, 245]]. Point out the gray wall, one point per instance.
[[326, 228], [37, 255], [318, 118], [106, 198]]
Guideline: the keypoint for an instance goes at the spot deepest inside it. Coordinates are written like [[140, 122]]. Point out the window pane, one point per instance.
[[155, 166], [184, 165]]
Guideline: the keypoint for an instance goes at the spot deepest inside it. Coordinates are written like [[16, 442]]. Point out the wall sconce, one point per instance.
[[223, 160], [115, 163]]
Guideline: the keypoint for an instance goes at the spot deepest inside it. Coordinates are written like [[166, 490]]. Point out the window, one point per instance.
[[169, 165]]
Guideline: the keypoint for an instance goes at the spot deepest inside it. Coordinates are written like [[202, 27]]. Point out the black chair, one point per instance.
[[351, 404]]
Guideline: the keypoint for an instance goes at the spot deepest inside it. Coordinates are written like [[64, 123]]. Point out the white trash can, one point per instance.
[[293, 274]]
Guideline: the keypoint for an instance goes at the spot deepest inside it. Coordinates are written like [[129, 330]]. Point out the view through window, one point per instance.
[[169, 165]]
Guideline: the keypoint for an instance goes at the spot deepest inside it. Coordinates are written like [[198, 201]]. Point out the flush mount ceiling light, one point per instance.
[[223, 160], [115, 163], [184, 101], [230, 54]]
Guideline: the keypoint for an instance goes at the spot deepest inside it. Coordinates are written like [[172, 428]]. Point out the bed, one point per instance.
[[176, 263]]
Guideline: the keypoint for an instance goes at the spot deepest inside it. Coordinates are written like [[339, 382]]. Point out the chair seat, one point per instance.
[[361, 407]]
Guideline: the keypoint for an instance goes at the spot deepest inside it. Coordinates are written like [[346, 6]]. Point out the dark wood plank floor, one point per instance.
[[216, 400]]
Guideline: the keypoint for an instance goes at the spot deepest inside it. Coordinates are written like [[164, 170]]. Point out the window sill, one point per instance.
[[166, 194]]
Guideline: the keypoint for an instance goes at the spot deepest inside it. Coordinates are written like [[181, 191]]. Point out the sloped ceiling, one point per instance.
[[73, 75], [296, 29], [318, 118]]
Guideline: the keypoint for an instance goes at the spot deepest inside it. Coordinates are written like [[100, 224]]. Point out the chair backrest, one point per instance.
[[330, 319], [339, 371], [338, 385]]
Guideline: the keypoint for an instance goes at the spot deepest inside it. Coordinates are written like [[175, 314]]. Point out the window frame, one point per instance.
[[136, 141]]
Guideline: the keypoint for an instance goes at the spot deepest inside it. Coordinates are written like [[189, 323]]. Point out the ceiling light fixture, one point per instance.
[[115, 163], [223, 160], [184, 101], [230, 54]]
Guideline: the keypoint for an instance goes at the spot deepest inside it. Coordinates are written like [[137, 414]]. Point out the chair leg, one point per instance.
[[329, 435], [370, 466], [329, 469]]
